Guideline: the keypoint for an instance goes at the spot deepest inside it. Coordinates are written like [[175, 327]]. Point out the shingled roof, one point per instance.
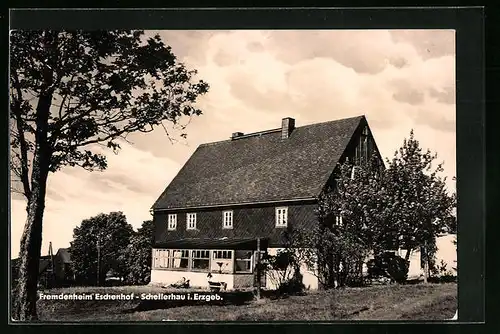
[[261, 167]]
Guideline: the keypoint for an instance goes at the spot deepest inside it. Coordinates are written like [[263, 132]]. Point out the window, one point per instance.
[[172, 222], [243, 261], [281, 217], [338, 220], [222, 261], [363, 147], [354, 172], [161, 258], [191, 221], [227, 219], [180, 258], [223, 254], [201, 259]]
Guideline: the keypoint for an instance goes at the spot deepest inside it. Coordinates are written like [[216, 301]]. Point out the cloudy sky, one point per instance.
[[400, 80]]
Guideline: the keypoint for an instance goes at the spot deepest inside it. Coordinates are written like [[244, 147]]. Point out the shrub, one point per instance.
[[292, 286], [388, 265], [283, 270]]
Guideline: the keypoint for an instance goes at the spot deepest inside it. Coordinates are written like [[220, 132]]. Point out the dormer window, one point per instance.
[[172, 222], [354, 172], [338, 220], [227, 219], [281, 217], [191, 221]]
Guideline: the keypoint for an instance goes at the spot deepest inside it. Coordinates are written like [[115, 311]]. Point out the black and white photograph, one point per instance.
[[233, 175]]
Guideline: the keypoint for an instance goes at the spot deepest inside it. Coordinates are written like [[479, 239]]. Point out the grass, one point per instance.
[[393, 302]]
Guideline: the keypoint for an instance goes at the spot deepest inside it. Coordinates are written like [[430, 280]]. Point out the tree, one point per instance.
[[138, 254], [99, 245], [71, 91], [422, 206], [351, 215]]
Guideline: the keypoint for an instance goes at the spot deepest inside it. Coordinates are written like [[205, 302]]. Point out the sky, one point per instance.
[[399, 79]]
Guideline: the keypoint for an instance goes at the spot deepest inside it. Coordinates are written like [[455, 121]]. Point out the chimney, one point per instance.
[[236, 135], [287, 126]]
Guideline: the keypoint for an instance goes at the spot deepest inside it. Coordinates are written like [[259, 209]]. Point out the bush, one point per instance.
[[283, 271], [292, 286], [388, 265]]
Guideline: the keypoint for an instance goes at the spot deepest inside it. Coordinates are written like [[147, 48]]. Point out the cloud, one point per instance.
[[365, 51], [446, 95], [404, 92], [427, 43], [133, 181]]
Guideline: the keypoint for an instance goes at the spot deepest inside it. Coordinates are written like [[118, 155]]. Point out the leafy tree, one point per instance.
[[351, 215], [369, 210], [99, 245], [138, 254], [423, 208], [71, 91]]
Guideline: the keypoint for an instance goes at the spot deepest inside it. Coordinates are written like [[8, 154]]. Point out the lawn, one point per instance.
[[392, 302]]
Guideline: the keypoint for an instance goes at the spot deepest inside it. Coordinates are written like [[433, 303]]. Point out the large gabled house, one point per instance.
[[235, 195]]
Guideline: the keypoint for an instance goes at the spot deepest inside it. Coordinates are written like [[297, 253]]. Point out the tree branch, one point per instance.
[[22, 140]]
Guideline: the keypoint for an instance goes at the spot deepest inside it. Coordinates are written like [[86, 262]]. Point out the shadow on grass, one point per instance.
[[203, 298], [194, 299]]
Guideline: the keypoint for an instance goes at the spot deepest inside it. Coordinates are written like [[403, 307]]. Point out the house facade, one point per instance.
[[54, 270], [235, 198]]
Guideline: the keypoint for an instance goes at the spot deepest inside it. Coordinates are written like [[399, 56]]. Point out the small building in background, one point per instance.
[[53, 271]]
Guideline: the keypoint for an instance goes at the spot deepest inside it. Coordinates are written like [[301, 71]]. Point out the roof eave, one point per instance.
[[310, 198]]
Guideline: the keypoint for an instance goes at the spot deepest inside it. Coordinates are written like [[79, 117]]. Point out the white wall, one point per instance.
[[196, 279], [308, 278], [446, 251]]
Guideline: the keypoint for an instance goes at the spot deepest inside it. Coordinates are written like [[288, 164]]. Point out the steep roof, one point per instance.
[[64, 255], [261, 167]]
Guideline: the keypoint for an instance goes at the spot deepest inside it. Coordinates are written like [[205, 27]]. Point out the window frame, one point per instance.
[[159, 253], [354, 171], [338, 220], [173, 258], [281, 216], [165, 259], [229, 261], [249, 260], [172, 218], [193, 257], [230, 215], [188, 221]]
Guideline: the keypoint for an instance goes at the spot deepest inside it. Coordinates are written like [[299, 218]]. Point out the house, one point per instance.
[[44, 269], [53, 270], [235, 196], [63, 267]]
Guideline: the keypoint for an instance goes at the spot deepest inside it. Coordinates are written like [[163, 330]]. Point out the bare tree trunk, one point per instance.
[[31, 241], [424, 253], [407, 255], [31, 248], [426, 272]]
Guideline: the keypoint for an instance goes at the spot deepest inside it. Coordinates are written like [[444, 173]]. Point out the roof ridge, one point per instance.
[[274, 130], [332, 121]]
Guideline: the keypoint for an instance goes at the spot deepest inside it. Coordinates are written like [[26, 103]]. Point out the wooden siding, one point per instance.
[[248, 222]]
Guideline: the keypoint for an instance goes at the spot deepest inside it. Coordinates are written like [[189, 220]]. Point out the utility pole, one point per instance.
[[257, 266], [98, 260], [51, 254], [426, 263]]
